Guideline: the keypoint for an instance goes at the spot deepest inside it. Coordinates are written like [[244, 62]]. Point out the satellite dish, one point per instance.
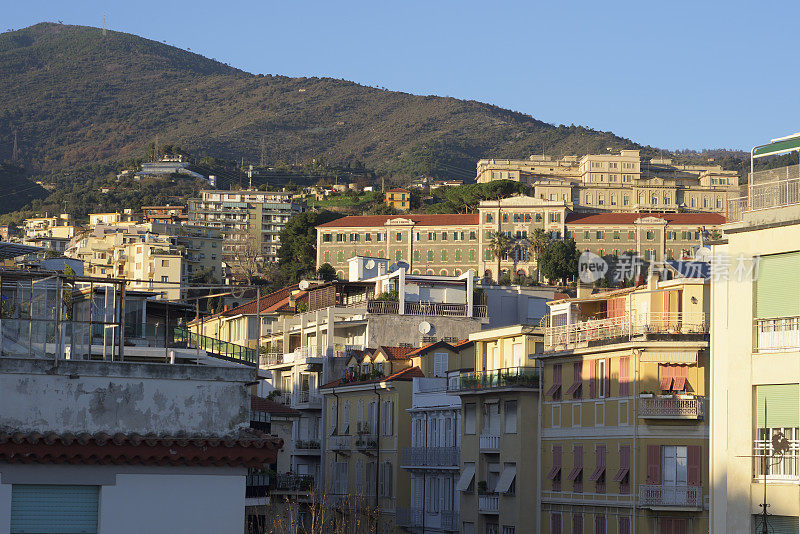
[[703, 254], [425, 327], [393, 267], [303, 284], [370, 264]]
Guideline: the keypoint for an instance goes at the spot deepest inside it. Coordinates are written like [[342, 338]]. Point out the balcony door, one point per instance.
[[674, 465]]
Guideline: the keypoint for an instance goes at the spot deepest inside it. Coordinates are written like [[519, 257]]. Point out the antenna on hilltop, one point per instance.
[[104, 24], [15, 148]]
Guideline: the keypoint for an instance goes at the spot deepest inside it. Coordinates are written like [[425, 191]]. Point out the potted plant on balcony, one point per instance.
[[482, 487]]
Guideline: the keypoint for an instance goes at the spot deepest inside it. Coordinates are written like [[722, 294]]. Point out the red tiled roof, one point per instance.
[[261, 404], [405, 374], [396, 353], [461, 344], [398, 190], [249, 308], [451, 219], [630, 218], [254, 450]]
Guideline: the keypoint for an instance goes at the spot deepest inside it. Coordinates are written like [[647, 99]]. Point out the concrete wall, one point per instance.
[[92, 396], [392, 330], [146, 499]]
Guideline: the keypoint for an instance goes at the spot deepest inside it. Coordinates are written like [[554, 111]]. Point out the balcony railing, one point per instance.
[[510, 377], [424, 308], [339, 443], [271, 358], [430, 457], [449, 520], [292, 482], [408, 517], [770, 188], [363, 442], [626, 326], [671, 408], [309, 398], [668, 496], [488, 504], [780, 334], [489, 442], [216, 348], [413, 517], [307, 445], [777, 466]]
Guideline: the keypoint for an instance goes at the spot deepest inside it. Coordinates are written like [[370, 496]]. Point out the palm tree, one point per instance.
[[539, 242], [500, 245]]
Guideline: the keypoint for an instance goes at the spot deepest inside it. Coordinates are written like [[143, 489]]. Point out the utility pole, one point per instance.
[[15, 148], [262, 161]]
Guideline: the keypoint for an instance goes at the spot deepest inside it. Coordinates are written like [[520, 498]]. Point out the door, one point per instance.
[[519, 355]]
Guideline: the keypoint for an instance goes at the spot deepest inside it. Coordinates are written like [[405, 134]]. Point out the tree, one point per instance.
[[326, 272], [559, 261], [539, 241], [245, 259], [297, 254], [500, 245]]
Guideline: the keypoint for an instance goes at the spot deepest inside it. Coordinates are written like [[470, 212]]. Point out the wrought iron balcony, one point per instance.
[[675, 407], [291, 482], [435, 457], [668, 496]]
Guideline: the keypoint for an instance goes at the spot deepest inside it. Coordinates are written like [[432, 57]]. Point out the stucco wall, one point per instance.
[[392, 330], [89, 396]]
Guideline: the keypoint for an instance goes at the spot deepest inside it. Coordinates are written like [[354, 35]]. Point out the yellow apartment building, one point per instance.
[[624, 438], [399, 199], [755, 342], [499, 478]]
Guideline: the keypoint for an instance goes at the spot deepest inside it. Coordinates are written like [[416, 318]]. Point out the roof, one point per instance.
[[250, 449], [451, 219], [404, 375], [396, 353], [261, 404], [398, 190], [275, 301], [12, 250], [462, 344], [630, 218]]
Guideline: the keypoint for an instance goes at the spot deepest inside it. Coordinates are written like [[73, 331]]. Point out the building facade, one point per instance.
[[399, 199], [453, 244], [619, 182], [624, 439]]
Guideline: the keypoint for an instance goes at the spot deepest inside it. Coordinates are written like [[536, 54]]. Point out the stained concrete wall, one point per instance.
[[40, 395], [392, 330]]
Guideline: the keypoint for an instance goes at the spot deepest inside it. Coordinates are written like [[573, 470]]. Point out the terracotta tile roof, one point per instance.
[[405, 375], [251, 449], [396, 353], [452, 219], [261, 404], [463, 343], [398, 190], [629, 218], [266, 302]]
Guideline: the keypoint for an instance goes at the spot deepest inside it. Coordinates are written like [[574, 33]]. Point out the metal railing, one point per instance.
[[307, 444], [292, 482], [671, 408], [489, 442], [217, 348], [408, 517], [339, 443], [257, 479], [777, 467], [779, 334], [488, 504], [449, 520], [363, 442], [736, 208], [413, 517], [663, 495], [510, 377], [312, 399], [424, 308], [769, 188], [270, 358], [430, 456], [626, 325]]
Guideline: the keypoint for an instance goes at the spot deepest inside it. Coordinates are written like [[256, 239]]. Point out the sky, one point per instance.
[[678, 74]]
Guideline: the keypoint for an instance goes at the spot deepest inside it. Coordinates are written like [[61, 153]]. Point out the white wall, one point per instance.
[[171, 504]]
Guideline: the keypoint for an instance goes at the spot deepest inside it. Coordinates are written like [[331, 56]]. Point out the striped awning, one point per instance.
[[669, 356]]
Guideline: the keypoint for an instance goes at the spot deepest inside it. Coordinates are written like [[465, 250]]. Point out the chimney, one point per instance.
[[584, 290]]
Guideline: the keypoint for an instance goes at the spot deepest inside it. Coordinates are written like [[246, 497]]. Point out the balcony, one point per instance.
[[307, 446], [432, 457], [413, 518], [510, 377], [488, 504], [767, 189], [779, 468], [673, 407], [449, 520], [658, 497], [307, 399], [291, 483], [780, 334], [408, 517], [598, 331], [365, 442], [423, 308], [339, 443], [489, 443]]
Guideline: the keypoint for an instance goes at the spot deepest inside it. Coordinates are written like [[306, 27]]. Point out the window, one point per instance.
[[632, 234], [782, 419], [616, 234], [623, 412], [587, 234], [673, 465], [576, 475], [398, 256], [650, 234], [623, 474], [472, 254], [368, 236], [458, 255], [556, 419], [444, 255], [165, 263], [53, 508], [508, 529], [416, 255], [510, 417], [555, 522], [624, 376], [468, 527], [624, 526], [576, 414], [599, 234], [626, 200], [469, 418], [440, 364], [599, 524], [430, 255], [473, 235], [599, 474], [398, 236], [555, 388], [577, 523], [165, 278]]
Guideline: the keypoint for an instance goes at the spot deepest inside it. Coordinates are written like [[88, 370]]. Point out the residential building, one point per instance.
[[623, 182], [247, 219], [453, 244], [200, 246], [143, 446], [624, 437], [126, 217], [53, 233], [399, 199], [755, 343], [164, 214], [434, 458], [499, 480]]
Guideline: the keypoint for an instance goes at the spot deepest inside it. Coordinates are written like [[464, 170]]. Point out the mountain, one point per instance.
[[76, 96], [17, 189]]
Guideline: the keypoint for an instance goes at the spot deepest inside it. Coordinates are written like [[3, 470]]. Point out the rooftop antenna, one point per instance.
[[104, 24]]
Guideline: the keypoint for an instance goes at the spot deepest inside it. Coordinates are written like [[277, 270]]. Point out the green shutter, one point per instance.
[[783, 406], [53, 509], [777, 292], [777, 524]]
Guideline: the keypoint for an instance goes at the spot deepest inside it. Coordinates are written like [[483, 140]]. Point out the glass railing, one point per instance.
[[522, 377], [217, 348]]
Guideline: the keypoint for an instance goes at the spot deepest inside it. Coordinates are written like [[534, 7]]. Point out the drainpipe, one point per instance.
[[377, 446], [635, 423], [424, 478]]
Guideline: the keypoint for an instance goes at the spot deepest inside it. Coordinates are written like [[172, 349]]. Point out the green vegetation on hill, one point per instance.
[[75, 96], [17, 190]]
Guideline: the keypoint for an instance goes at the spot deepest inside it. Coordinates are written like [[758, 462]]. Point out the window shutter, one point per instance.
[[46, 508], [776, 293], [624, 375], [607, 378], [624, 525], [390, 419], [592, 379], [693, 462], [557, 456], [782, 406], [555, 523], [577, 523], [625, 456], [654, 464], [577, 378]]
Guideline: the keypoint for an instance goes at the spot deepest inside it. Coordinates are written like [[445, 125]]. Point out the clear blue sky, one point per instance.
[[677, 74]]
